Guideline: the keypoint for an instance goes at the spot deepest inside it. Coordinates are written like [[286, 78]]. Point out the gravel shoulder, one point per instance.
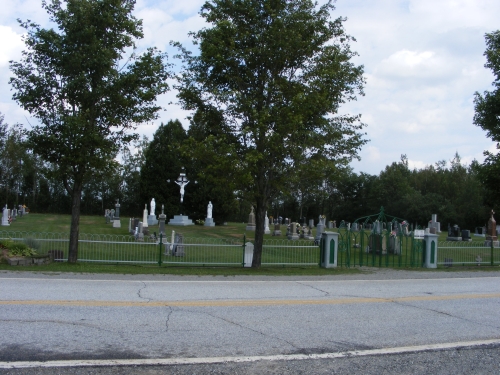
[[365, 273]]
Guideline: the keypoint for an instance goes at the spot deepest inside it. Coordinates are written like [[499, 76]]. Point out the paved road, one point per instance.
[[91, 317]]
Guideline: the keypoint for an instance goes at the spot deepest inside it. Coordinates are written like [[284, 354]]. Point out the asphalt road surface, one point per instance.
[[384, 321]]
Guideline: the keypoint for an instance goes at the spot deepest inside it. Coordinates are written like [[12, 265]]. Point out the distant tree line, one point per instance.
[[452, 190], [456, 192]]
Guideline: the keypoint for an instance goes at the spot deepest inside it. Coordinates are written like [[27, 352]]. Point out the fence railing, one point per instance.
[[366, 248], [286, 252], [467, 253], [230, 252], [192, 251]]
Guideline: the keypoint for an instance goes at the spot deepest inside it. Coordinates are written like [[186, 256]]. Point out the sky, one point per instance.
[[423, 62]]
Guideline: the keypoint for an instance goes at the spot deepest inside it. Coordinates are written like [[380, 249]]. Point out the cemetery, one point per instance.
[[378, 240], [171, 239]]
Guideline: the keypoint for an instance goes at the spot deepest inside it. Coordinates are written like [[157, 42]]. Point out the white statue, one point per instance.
[[153, 207], [182, 184], [209, 210]]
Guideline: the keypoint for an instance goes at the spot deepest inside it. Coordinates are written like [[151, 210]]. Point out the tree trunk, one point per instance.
[[75, 222], [259, 233]]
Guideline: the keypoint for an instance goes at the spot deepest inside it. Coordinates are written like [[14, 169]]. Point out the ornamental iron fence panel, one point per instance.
[[462, 253]]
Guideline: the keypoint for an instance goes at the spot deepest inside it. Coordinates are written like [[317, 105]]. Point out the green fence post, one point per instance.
[[243, 256], [159, 250], [492, 251]]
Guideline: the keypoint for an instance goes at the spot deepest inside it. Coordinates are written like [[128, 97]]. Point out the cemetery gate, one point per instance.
[[380, 240]]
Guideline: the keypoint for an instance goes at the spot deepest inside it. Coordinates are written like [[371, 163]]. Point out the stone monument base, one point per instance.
[[209, 222], [250, 228], [277, 233], [267, 231], [181, 220], [117, 223], [152, 220], [453, 238]]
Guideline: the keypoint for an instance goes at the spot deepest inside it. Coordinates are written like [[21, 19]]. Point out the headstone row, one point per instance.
[[10, 215]]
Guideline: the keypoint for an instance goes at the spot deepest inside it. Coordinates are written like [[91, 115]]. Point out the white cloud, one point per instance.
[[12, 45], [445, 15], [414, 64], [416, 164], [423, 62]]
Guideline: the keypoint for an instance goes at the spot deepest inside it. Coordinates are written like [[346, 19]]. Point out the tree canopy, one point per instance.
[[273, 74], [487, 107], [87, 98]]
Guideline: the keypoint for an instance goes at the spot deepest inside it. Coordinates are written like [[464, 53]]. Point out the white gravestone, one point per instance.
[[209, 210], [209, 221], [5, 217], [266, 225], [152, 216], [145, 216]]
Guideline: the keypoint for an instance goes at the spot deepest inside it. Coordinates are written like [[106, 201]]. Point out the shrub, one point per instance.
[[17, 248], [32, 243]]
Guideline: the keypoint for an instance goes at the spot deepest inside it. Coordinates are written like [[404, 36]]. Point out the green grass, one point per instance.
[[100, 241], [97, 225]]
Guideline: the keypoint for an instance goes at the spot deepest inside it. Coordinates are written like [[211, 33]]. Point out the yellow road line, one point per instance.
[[253, 302]]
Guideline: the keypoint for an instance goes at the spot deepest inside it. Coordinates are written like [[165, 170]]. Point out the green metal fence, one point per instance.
[[286, 252], [355, 248], [385, 249], [192, 251], [463, 253]]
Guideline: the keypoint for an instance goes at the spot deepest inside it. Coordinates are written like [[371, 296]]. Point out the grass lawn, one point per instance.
[[220, 244], [49, 223]]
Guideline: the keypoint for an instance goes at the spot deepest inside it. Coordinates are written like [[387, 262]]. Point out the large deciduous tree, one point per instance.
[[487, 107], [276, 72], [88, 100], [163, 161]]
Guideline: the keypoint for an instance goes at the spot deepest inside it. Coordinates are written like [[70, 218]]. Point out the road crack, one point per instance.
[[86, 325], [144, 286], [244, 327], [444, 313], [170, 311], [327, 294]]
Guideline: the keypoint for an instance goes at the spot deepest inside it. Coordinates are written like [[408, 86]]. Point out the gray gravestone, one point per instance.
[[293, 232], [454, 233], [178, 249], [434, 223], [116, 221], [251, 221], [466, 235], [320, 228], [162, 217], [141, 232]]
